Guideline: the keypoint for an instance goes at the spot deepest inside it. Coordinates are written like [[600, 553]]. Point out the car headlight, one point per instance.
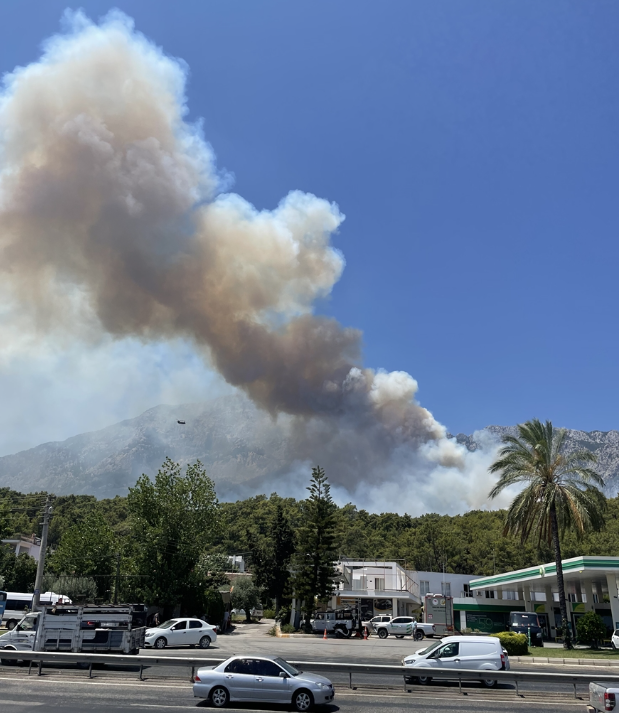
[[322, 685]]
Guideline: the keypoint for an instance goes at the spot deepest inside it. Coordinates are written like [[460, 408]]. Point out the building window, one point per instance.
[[446, 589], [490, 594], [379, 584], [424, 587], [467, 590]]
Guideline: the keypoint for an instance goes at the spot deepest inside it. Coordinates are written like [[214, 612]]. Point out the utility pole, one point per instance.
[[47, 511], [117, 578]]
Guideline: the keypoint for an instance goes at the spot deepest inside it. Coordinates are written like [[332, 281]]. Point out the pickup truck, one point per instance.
[[602, 697], [402, 626]]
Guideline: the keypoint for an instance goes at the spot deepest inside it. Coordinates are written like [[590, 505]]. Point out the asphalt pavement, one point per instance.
[[48, 693], [67, 689]]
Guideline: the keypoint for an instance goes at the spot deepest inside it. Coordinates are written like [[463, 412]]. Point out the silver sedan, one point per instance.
[[265, 679]]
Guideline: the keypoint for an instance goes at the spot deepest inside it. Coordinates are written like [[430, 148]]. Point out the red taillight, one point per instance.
[[609, 701], [196, 679], [502, 662]]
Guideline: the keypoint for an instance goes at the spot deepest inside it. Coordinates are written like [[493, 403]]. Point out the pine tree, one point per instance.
[[315, 552], [271, 557]]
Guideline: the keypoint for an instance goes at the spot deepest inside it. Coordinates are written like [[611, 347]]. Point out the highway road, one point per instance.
[[66, 689], [19, 694]]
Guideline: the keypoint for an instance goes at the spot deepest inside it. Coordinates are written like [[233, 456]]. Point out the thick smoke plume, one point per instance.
[[113, 220]]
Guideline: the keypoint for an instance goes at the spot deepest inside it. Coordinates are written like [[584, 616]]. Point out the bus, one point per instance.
[[17, 604], [2, 604]]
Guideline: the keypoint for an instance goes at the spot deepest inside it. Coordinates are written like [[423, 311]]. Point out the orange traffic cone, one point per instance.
[[324, 636], [365, 633]]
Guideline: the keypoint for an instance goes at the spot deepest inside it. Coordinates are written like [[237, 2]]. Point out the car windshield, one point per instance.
[[428, 649], [287, 667], [166, 624], [524, 619]]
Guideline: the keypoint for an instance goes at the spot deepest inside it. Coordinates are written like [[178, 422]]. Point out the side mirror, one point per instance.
[[283, 674]]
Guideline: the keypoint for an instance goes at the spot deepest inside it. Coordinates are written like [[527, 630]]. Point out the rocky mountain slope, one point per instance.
[[605, 444], [236, 442], [242, 448]]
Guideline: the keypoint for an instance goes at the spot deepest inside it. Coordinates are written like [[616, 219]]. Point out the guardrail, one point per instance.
[[460, 675]]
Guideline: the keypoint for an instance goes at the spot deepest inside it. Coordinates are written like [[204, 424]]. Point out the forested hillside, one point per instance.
[[470, 543]]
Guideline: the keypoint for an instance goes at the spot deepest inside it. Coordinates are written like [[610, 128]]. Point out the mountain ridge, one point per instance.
[[242, 448]]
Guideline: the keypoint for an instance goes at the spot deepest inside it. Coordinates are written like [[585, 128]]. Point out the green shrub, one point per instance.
[[269, 613], [288, 629], [514, 644], [591, 629], [272, 631]]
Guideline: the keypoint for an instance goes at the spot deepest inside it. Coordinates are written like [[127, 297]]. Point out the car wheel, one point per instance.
[[424, 680], [383, 633], [489, 682], [205, 642], [219, 697], [11, 624], [161, 643], [419, 635], [302, 700], [612, 643]]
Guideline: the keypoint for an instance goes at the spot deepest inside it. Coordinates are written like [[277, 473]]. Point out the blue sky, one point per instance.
[[473, 148]]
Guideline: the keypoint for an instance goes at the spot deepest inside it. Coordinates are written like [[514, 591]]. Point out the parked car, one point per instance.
[[261, 679], [402, 626], [255, 613], [614, 639], [181, 632], [525, 622], [483, 653], [372, 623]]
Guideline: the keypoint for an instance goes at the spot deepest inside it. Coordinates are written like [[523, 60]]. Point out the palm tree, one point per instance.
[[560, 491]]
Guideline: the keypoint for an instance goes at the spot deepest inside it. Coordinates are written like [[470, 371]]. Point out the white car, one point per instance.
[[614, 639], [261, 679], [181, 632], [482, 653]]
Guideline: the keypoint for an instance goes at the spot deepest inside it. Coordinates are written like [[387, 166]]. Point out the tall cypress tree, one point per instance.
[[315, 551]]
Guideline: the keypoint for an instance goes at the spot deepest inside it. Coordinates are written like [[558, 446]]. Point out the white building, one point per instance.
[[445, 583], [30, 545], [376, 587]]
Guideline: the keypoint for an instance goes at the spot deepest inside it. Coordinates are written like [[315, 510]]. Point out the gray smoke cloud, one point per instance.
[[113, 221]]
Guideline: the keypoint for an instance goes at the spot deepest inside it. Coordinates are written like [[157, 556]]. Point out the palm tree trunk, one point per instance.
[[554, 527]]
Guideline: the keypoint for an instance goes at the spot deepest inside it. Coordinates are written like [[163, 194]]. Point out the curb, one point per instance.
[[564, 662]]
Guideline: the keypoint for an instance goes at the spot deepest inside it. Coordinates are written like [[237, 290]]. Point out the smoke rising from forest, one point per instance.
[[114, 221]]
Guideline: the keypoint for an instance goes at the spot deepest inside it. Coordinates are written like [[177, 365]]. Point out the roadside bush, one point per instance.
[[514, 644], [272, 631], [590, 629], [288, 629], [269, 613]]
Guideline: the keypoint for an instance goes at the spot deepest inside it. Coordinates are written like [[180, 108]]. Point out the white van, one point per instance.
[[19, 603], [482, 653]]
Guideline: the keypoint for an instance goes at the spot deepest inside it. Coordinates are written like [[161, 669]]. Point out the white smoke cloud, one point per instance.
[[114, 227]]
